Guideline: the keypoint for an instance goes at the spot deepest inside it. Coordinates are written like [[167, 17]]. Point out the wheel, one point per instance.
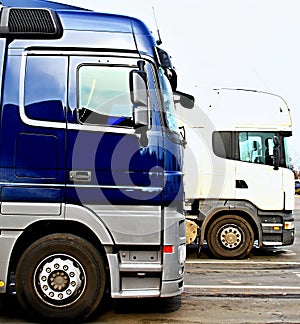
[[229, 237], [60, 276]]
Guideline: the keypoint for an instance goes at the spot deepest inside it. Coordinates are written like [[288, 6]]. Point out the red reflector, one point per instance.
[[168, 249]]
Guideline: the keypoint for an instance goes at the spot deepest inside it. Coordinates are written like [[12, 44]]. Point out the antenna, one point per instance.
[[159, 41]]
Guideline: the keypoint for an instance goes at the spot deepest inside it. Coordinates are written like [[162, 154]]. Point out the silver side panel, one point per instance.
[[91, 219], [133, 225], [174, 235], [19, 215], [39, 209], [7, 242]]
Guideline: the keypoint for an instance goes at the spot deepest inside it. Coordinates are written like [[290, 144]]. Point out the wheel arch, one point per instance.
[[250, 218], [42, 228]]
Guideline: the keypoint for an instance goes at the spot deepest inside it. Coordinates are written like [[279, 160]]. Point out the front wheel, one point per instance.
[[230, 237], [60, 276]]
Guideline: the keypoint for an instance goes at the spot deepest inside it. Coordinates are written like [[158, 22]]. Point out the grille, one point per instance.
[[31, 21]]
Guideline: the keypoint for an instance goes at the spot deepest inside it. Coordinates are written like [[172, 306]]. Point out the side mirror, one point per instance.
[[276, 153], [138, 88], [184, 99], [139, 97]]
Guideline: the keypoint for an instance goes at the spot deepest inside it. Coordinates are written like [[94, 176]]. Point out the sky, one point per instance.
[[249, 44]]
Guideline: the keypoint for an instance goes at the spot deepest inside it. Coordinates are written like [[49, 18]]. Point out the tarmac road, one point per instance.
[[265, 288]]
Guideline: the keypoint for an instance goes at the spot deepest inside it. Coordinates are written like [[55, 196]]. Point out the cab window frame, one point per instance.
[[129, 123], [227, 145]]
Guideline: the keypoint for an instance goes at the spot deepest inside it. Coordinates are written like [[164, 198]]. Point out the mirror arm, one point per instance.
[[183, 135], [276, 153]]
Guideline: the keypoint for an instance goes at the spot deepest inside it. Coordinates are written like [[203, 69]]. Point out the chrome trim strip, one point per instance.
[[271, 224], [86, 53], [136, 293], [140, 210], [58, 125], [116, 187], [102, 128], [141, 267], [24, 118], [272, 243], [29, 184]]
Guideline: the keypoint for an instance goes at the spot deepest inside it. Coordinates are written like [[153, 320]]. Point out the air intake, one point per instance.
[[29, 23]]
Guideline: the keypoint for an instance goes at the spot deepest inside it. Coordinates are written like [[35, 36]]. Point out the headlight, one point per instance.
[[289, 225]]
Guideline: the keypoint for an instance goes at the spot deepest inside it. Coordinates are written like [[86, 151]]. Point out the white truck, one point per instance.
[[239, 190]]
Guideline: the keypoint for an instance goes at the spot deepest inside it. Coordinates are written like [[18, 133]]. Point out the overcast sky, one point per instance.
[[252, 44]]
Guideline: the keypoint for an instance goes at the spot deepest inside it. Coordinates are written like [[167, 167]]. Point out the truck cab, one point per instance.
[[239, 187], [90, 163]]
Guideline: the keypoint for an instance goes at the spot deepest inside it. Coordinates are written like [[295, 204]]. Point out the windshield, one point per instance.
[[168, 103], [286, 141]]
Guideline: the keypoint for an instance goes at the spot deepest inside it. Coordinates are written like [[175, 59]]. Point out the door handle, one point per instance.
[[84, 176]]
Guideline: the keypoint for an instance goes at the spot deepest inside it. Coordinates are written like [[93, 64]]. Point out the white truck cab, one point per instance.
[[239, 188]]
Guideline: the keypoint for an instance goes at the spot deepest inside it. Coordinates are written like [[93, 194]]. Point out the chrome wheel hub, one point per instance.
[[59, 280], [231, 236]]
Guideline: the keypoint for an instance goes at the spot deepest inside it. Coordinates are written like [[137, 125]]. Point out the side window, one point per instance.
[[45, 88], [104, 95], [222, 144], [256, 147], [251, 147]]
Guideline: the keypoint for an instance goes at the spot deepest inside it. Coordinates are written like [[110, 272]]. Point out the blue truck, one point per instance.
[[90, 162]]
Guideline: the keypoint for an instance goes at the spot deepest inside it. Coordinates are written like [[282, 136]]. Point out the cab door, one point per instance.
[[256, 179], [113, 168]]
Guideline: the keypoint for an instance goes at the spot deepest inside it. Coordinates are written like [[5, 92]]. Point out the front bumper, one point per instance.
[[278, 230]]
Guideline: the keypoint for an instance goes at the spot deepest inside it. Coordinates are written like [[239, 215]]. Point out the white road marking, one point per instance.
[[241, 287], [229, 262], [297, 274]]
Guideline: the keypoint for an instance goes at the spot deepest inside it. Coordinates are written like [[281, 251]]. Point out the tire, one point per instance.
[[60, 277], [230, 237]]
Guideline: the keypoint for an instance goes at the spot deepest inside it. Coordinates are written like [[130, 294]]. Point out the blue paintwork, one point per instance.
[[98, 31], [38, 4], [122, 171]]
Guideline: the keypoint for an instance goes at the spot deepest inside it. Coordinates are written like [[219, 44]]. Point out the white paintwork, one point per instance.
[[208, 176]]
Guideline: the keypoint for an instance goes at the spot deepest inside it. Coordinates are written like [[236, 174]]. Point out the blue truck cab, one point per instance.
[[90, 163]]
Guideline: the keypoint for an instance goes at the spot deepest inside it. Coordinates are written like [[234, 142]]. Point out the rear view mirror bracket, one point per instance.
[[184, 99]]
